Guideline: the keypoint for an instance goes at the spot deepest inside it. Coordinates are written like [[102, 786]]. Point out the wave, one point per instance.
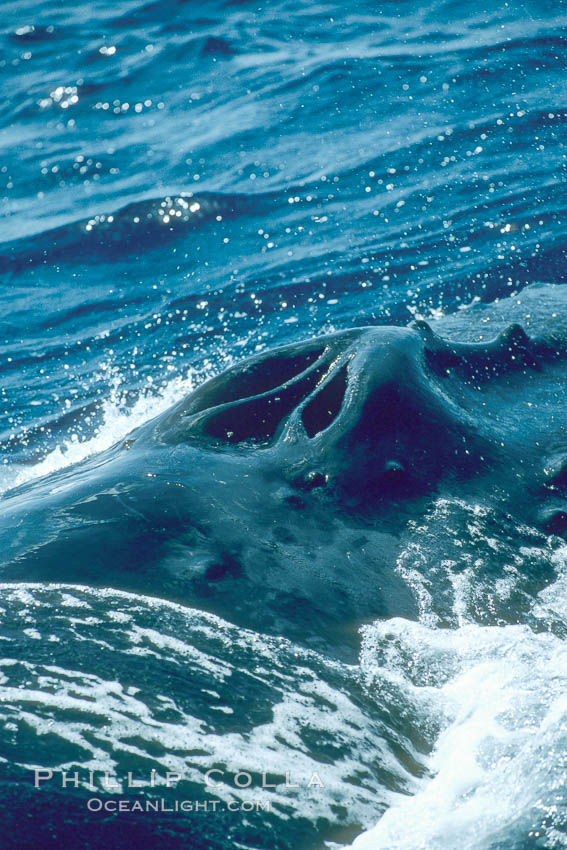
[[132, 229], [497, 775]]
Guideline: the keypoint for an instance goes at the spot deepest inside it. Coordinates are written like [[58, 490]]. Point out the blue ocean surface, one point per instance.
[[185, 184]]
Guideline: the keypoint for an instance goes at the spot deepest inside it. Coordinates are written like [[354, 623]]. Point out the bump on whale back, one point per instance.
[[508, 351]]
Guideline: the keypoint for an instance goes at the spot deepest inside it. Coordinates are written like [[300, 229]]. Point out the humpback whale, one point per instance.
[[191, 598], [278, 494]]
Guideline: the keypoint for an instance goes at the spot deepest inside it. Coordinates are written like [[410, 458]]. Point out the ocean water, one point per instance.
[[186, 184]]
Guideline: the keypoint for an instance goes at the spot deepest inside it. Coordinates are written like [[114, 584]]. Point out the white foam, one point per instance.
[[497, 770], [117, 422], [169, 726]]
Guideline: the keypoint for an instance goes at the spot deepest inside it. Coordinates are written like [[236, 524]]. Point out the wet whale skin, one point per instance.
[[278, 494]]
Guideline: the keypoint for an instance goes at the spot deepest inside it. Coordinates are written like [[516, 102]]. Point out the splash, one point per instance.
[[497, 774], [117, 420]]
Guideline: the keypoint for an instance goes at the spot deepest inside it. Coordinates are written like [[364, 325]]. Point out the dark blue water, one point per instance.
[[183, 184], [350, 165]]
